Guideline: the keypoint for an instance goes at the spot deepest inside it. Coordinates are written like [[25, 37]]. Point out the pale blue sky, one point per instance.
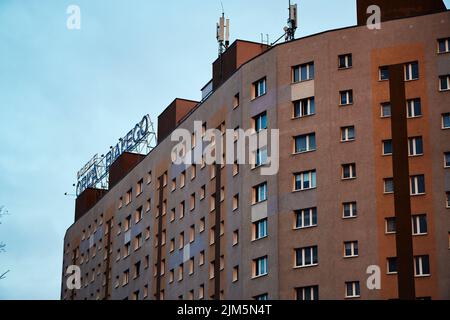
[[66, 95]]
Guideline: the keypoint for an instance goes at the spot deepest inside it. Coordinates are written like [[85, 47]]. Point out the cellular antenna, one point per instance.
[[292, 22], [223, 32]]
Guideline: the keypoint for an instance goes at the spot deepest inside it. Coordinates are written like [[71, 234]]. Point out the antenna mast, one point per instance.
[[292, 22], [223, 33]]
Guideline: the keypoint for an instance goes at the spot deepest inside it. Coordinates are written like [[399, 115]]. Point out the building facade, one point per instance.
[[166, 231]]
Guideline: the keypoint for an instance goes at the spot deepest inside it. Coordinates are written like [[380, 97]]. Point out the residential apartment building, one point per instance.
[[166, 231]]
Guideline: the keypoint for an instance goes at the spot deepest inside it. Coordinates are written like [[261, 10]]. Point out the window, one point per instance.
[[201, 292], [259, 88], [212, 235], [193, 171], [182, 209], [304, 107], [202, 192], [235, 202], [419, 224], [348, 171], [307, 293], [260, 229], [417, 184], [125, 277], [180, 272], [235, 237], [387, 147], [345, 61], [127, 223], [145, 291], [260, 121], [139, 186], [306, 257], [174, 185], [235, 169], [192, 202], [128, 196], [137, 242], [172, 245], [191, 266], [392, 265], [303, 72], [305, 218], [182, 179], [181, 241], [260, 193], [346, 97], [305, 180], [172, 215], [305, 143], [202, 225], [443, 45], [349, 210], [415, 146], [149, 177], [262, 297], [350, 249], [236, 101], [260, 267], [120, 204], [446, 121], [421, 266], [388, 185], [163, 237], [201, 259], [352, 289], [414, 108], [235, 276], [138, 215], [192, 234], [447, 194], [260, 157], [446, 159], [391, 226], [347, 133], [412, 71], [137, 269], [385, 109], [444, 83], [384, 73]]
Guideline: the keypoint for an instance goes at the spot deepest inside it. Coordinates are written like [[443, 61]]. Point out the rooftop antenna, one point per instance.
[[223, 32], [292, 22]]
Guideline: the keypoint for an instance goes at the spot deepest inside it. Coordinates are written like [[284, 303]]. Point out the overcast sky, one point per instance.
[[68, 94]]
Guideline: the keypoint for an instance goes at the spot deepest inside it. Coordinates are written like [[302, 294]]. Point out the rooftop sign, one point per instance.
[[96, 171]]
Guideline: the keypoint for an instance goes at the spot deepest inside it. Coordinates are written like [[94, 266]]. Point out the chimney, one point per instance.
[[171, 117], [235, 56]]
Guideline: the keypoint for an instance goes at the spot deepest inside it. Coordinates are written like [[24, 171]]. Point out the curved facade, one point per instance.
[[324, 218]]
